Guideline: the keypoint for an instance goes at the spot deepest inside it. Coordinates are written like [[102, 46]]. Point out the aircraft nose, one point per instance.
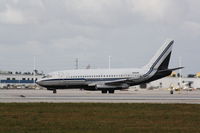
[[39, 82]]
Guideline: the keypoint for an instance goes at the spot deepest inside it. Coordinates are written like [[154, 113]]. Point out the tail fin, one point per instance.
[[161, 59]]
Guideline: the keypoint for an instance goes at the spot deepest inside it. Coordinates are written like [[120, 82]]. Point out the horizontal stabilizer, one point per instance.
[[173, 69]]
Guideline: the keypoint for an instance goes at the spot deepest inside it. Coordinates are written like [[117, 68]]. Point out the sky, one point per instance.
[[56, 32]]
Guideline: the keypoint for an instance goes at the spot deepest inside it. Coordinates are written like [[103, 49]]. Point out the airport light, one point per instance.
[[109, 60], [34, 62]]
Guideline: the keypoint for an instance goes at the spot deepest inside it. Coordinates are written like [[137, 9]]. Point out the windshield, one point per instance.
[[47, 76]]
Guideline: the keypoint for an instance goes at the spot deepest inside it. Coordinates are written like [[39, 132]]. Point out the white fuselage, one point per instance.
[[111, 79], [73, 78]]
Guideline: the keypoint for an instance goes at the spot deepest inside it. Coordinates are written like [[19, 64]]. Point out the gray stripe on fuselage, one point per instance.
[[95, 79]]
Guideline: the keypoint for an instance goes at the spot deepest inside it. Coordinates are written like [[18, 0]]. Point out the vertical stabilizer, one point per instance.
[[160, 60]]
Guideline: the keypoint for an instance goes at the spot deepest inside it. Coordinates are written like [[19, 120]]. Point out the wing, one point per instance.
[[111, 84]]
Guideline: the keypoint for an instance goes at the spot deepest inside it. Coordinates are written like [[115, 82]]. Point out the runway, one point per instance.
[[78, 96]]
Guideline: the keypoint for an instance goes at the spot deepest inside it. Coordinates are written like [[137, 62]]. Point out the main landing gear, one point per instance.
[[111, 91], [54, 91], [104, 91]]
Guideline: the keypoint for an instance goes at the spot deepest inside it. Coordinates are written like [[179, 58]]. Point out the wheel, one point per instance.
[[111, 91], [104, 91], [171, 92], [54, 91]]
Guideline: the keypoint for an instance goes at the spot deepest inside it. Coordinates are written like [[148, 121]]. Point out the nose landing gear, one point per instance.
[[54, 91]]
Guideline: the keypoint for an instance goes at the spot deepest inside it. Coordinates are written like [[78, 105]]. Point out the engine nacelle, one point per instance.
[[103, 86]]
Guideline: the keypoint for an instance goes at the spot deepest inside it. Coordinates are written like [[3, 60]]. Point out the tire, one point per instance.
[[103, 91], [54, 91], [171, 92], [111, 91]]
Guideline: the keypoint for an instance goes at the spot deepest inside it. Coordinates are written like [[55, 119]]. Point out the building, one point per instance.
[[18, 79], [26, 80], [166, 83], [198, 75]]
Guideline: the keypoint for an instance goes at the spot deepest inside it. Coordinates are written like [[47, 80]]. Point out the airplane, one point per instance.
[[109, 80]]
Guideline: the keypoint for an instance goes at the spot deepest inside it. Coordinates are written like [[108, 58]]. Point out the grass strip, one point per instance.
[[99, 118]]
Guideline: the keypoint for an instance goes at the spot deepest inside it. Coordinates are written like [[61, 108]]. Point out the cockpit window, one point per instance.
[[47, 76]]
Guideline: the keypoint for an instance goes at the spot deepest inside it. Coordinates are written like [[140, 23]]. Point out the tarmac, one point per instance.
[[81, 96]]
